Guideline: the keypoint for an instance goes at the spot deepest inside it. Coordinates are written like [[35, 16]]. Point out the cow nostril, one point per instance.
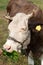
[[9, 48]]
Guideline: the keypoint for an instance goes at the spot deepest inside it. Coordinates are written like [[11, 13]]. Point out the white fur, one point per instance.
[[30, 61], [18, 29], [42, 62], [15, 27], [30, 58], [41, 58]]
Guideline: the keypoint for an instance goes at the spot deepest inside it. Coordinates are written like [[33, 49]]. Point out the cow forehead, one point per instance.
[[20, 16], [19, 19]]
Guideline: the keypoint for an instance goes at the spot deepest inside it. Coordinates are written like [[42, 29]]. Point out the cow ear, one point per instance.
[[30, 15], [8, 17]]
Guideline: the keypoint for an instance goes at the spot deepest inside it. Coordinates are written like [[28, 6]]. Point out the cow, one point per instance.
[[34, 47]]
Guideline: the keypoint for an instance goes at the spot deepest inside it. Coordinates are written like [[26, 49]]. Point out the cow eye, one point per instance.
[[10, 21]]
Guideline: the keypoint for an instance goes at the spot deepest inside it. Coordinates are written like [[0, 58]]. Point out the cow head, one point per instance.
[[18, 32]]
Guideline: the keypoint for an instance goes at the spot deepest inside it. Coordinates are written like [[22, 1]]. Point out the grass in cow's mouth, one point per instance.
[[13, 56]]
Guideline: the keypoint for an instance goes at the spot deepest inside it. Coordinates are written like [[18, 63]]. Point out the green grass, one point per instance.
[[5, 60], [39, 3], [3, 4], [3, 31]]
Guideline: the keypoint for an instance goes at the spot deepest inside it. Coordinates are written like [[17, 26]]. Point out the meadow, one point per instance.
[[4, 60]]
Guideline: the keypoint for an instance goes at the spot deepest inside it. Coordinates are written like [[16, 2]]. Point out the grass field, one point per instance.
[[39, 3], [4, 33], [3, 4]]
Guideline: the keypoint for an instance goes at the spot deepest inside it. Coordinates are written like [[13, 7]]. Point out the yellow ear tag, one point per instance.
[[38, 28]]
